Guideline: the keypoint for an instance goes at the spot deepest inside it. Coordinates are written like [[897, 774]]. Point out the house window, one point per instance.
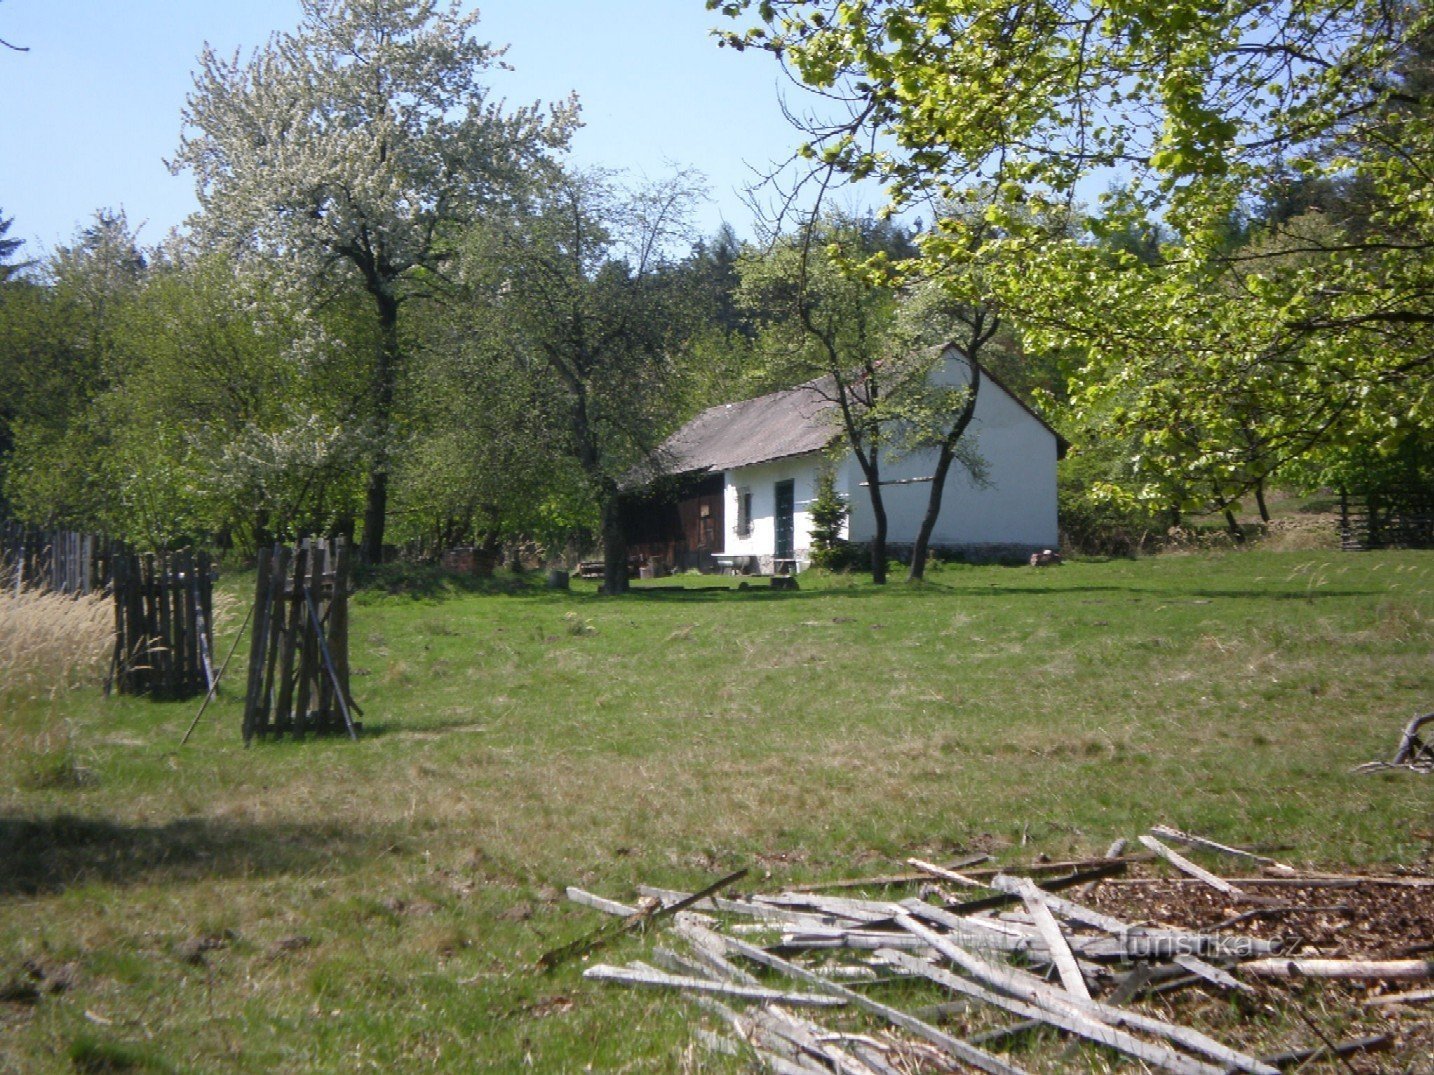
[[743, 528]]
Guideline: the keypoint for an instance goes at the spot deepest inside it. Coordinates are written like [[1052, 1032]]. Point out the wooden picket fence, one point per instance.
[[62, 561], [164, 622], [1394, 518], [299, 649]]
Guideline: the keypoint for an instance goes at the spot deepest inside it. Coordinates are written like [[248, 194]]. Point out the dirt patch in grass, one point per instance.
[[1341, 920]]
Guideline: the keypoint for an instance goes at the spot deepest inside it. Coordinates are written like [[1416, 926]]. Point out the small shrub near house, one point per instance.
[[828, 512]]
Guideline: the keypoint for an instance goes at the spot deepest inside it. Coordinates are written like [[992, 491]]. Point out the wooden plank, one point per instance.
[[1098, 872], [884, 880], [655, 979], [1061, 954], [1027, 889], [1191, 840], [708, 949], [1071, 1022], [307, 650], [599, 903], [806, 1039], [944, 874], [176, 584], [857, 910], [278, 629], [258, 642], [1212, 974], [1414, 996], [338, 618], [1180, 862], [160, 654], [295, 614], [118, 663], [328, 664], [1028, 987], [1296, 1058], [960, 1050], [1393, 969], [594, 940]]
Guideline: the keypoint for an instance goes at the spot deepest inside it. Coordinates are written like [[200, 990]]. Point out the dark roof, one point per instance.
[[793, 421]]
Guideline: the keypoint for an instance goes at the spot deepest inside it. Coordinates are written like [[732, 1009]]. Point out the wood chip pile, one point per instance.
[[971, 970]]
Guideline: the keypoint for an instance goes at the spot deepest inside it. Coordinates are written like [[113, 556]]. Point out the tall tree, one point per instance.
[[1195, 110], [8, 246], [350, 150], [63, 348], [833, 329], [582, 285]]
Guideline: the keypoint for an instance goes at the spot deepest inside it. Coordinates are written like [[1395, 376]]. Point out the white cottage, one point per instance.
[[742, 476]]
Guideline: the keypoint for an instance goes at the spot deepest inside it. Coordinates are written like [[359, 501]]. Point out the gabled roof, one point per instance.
[[793, 421]]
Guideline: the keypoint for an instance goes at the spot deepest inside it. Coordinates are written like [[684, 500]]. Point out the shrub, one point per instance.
[[828, 513]]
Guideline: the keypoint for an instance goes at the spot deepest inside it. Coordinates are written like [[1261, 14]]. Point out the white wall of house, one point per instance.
[[761, 480], [1015, 508]]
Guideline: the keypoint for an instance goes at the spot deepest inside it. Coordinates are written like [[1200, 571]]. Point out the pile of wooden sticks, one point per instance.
[[1015, 944]]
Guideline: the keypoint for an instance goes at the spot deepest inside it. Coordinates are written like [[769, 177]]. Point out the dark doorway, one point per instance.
[[786, 506]]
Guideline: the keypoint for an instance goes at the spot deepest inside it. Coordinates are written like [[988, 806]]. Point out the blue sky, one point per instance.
[[92, 109]]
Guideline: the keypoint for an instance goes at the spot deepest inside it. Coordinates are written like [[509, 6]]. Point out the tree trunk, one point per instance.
[[938, 478], [917, 571], [385, 375], [1260, 501], [614, 545], [878, 540]]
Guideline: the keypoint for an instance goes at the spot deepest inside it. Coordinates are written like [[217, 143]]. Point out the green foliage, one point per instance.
[[579, 286], [1226, 350], [375, 140], [8, 247]]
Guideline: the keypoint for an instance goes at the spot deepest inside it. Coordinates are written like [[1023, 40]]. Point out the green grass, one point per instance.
[[378, 906]]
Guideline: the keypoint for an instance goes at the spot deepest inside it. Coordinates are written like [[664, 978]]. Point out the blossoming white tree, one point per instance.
[[349, 151]]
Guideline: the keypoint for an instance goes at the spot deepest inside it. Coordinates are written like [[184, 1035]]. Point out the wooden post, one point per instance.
[[258, 643]]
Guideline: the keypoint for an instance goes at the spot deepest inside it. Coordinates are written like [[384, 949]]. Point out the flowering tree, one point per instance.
[[347, 151]]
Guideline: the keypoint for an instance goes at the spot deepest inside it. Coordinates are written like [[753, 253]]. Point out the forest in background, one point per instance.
[[400, 315]]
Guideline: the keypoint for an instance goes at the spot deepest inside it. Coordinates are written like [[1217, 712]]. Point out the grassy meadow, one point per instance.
[[380, 905]]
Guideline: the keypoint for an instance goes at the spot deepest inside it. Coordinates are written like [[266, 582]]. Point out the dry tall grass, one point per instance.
[[53, 642]]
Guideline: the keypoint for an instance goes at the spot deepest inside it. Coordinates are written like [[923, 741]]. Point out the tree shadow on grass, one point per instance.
[[47, 855]]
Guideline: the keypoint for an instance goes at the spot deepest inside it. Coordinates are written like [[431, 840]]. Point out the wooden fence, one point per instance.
[[164, 623], [299, 649], [59, 560], [1398, 518]]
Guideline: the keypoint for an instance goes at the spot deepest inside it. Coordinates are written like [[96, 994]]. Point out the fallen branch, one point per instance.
[[1416, 996], [655, 979], [969, 1054], [1180, 862], [583, 945], [1191, 840], [1299, 1057], [1405, 969]]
